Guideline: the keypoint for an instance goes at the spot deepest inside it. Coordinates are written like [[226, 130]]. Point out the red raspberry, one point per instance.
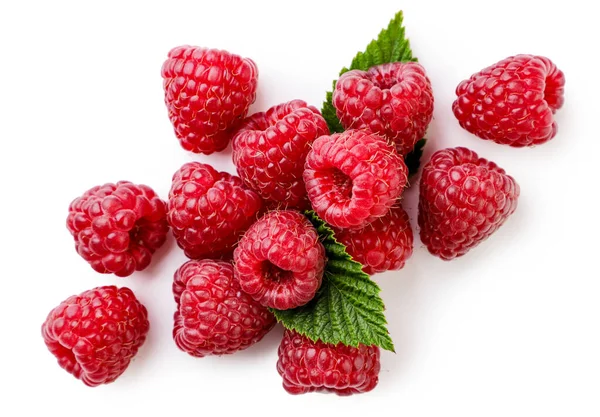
[[512, 102], [463, 200], [352, 178], [117, 227], [280, 260], [209, 210], [383, 245], [207, 92], [270, 148], [394, 100], [214, 317], [94, 335], [308, 366]]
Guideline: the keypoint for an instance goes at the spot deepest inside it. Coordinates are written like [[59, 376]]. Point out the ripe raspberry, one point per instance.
[[308, 366], [352, 178], [214, 317], [393, 100], [280, 261], [463, 200], [117, 227], [383, 245], [209, 210], [95, 334], [207, 92], [270, 148], [512, 101]]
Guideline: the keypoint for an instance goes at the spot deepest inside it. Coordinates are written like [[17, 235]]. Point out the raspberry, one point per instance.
[[463, 200], [94, 335], [383, 245], [393, 100], [280, 261], [207, 92], [214, 317], [308, 366], [352, 178], [117, 227], [512, 102], [209, 210], [270, 148]]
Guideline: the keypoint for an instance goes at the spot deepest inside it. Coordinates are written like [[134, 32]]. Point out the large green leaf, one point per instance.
[[347, 308]]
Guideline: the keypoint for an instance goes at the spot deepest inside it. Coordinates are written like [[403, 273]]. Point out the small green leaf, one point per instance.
[[391, 45], [413, 159], [329, 115], [347, 308]]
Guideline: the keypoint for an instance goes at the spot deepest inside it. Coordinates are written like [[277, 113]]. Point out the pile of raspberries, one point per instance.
[[251, 248]]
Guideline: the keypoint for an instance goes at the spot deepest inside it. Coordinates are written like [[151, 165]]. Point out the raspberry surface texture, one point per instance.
[[394, 100], [209, 210], [353, 177], [117, 227], [270, 148], [463, 200], [207, 92], [383, 245], [94, 335], [513, 101], [280, 260], [214, 317], [308, 366]]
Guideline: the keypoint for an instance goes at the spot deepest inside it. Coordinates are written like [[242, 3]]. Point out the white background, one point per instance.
[[510, 329]]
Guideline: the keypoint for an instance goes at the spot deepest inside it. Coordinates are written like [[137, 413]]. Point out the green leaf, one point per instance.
[[413, 159], [329, 115], [391, 45], [347, 308]]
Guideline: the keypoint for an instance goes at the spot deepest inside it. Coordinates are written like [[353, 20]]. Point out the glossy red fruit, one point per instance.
[[513, 101], [207, 93], [94, 335], [214, 317], [209, 210], [308, 366], [280, 260], [353, 178], [463, 200], [394, 100], [270, 148], [117, 227], [383, 245]]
